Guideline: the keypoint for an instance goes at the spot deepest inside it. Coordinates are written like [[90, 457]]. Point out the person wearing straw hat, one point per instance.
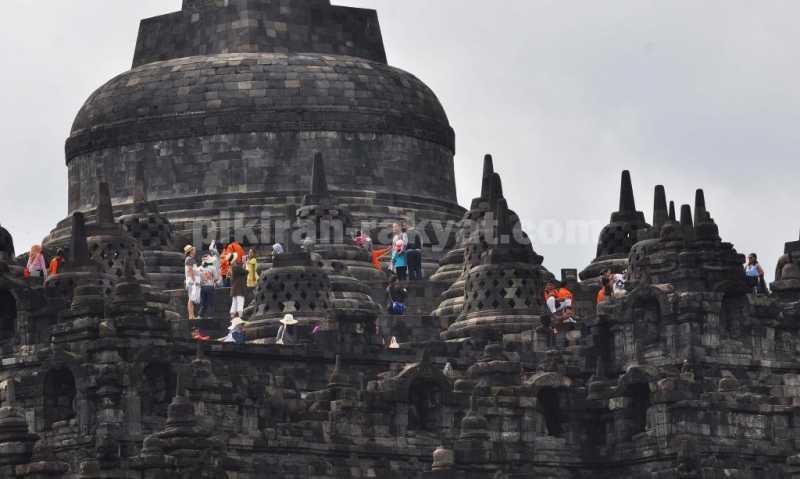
[[284, 332], [190, 264], [236, 332]]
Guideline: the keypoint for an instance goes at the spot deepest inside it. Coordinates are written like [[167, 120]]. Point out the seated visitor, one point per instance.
[[197, 335], [559, 302], [617, 283], [363, 241], [236, 332], [285, 332], [396, 297], [307, 243]]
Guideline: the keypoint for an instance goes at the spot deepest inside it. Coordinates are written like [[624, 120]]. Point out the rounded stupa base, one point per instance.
[[492, 325]]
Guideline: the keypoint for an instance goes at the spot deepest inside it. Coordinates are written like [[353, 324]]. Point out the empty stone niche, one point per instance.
[[59, 397], [732, 315], [646, 313], [8, 316], [156, 391], [550, 407], [639, 395], [424, 405]]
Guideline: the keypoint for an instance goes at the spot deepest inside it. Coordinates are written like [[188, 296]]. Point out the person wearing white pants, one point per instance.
[[238, 285]]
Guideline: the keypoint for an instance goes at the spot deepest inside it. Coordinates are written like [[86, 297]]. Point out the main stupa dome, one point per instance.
[[229, 100]]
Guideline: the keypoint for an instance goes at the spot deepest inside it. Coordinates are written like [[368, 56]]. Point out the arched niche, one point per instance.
[[157, 389], [646, 313], [732, 314], [8, 315], [59, 396], [425, 398], [550, 406], [639, 395]]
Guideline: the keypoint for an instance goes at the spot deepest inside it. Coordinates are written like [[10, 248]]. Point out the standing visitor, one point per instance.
[[414, 259], [225, 268], [754, 274], [36, 267], [238, 285], [400, 260], [208, 281], [214, 259], [399, 235], [252, 269], [190, 265], [277, 250], [606, 291], [56, 262]]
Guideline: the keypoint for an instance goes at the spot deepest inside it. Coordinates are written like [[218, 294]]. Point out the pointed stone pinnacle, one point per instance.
[[660, 212], [486, 179], [105, 212], [504, 226], [699, 207], [488, 165], [672, 216], [319, 184], [178, 386], [139, 185], [626, 200], [78, 249], [686, 216]]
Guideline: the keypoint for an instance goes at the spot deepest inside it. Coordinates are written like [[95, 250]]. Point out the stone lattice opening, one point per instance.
[[551, 410], [158, 387], [8, 315], [424, 404], [59, 397]]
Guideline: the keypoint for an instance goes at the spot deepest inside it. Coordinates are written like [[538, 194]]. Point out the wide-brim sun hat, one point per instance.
[[237, 321], [289, 320]]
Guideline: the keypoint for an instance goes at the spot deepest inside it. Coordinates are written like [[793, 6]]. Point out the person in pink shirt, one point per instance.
[[36, 267]]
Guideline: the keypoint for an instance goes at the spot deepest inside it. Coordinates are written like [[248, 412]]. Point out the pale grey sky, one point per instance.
[[565, 94]]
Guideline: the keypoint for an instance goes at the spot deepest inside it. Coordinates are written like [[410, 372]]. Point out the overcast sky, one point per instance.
[[565, 94]]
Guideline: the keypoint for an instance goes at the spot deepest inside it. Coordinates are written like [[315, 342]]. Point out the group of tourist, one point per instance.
[[226, 266], [37, 266]]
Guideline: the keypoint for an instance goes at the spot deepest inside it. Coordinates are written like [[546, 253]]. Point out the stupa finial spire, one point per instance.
[[626, 199]]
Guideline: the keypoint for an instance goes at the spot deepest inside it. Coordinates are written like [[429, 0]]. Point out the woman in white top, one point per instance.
[[754, 274]]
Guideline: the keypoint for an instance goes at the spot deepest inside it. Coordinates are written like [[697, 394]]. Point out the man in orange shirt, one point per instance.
[[56, 262], [559, 301]]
